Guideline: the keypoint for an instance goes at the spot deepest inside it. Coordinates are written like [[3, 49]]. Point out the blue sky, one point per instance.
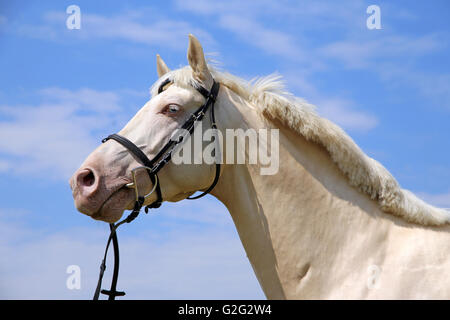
[[62, 91]]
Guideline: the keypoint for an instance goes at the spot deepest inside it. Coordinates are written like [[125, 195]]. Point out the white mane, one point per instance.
[[269, 96]]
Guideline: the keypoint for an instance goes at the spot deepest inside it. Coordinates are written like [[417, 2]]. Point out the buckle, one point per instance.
[[114, 293], [133, 185]]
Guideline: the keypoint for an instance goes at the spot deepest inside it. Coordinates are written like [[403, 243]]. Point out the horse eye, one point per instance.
[[173, 108]]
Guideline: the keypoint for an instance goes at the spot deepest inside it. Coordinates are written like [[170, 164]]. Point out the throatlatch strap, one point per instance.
[[212, 96]]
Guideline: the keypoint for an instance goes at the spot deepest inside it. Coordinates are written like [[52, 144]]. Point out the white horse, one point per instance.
[[331, 223]]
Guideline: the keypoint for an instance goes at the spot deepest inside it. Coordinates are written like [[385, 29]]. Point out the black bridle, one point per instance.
[[153, 167]]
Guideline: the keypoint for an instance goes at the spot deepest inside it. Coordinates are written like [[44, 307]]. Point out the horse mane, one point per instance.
[[270, 98]]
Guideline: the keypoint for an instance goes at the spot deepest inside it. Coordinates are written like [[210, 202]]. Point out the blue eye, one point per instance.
[[173, 108]]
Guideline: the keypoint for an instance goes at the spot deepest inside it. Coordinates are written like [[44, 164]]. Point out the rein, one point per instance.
[[153, 167]]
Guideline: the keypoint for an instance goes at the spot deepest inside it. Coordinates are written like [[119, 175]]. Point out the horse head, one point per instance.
[[100, 187]]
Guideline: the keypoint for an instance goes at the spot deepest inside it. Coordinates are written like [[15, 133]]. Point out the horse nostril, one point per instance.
[[89, 179], [86, 178]]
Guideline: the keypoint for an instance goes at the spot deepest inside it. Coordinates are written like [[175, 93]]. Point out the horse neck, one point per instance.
[[232, 112], [306, 220]]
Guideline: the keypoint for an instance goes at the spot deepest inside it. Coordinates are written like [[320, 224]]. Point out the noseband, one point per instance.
[[152, 167]]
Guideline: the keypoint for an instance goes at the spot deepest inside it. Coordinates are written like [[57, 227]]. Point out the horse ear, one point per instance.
[[197, 61], [161, 67]]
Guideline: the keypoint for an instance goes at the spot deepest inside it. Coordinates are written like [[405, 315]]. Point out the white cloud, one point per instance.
[[342, 112], [161, 32], [313, 14], [3, 20], [152, 29], [52, 138], [256, 23], [385, 54], [45, 32], [85, 98], [271, 41], [241, 18], [206, 262], [209, 212], [440, 200], [434, 86], [367, 53], [430, 85], [4, 165], [393, 59]]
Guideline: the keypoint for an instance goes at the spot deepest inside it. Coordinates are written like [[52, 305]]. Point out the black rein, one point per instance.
[[153, 167]]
